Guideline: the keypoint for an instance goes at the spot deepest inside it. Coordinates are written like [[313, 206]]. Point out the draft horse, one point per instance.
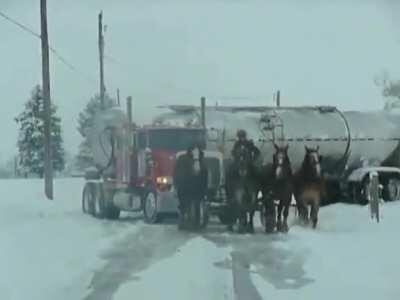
[[190, 181], [280, 181], [310, 186], [241, 184]]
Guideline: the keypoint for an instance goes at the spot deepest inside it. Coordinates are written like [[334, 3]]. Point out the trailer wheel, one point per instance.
[[150, 208], [88, 199], [393, 189]]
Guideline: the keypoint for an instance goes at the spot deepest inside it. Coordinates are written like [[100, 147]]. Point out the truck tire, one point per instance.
[[111, 212], [150, 208], [88, 198], [99, 207]]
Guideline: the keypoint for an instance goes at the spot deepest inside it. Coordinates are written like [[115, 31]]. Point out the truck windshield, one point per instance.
[[172, 139]]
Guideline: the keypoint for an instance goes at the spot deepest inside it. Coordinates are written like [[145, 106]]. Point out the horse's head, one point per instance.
[[313, 161], [281, 162], [196, 155]]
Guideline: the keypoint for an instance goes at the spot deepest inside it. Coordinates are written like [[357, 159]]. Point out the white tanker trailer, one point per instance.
[[352, 143]]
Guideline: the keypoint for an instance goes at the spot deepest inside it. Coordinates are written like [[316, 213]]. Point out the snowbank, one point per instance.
[[49, 249]]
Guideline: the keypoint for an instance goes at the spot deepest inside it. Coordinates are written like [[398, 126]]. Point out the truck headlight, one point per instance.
[[164, 180]]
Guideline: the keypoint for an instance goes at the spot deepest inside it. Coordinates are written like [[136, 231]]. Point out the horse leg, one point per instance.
[[270, 220], [197, 212], [286, 207], [279, 217], [251, 214], [303, 210], [314, 212]]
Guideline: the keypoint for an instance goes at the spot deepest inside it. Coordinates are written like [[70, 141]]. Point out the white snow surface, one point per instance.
[[51, 250]]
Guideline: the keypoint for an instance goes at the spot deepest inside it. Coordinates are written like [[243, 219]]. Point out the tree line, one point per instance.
[[30, 144]]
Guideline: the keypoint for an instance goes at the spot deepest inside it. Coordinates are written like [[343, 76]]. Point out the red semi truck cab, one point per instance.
[[154, 162]]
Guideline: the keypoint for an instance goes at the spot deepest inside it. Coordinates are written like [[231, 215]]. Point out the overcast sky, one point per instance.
[[316, 52]]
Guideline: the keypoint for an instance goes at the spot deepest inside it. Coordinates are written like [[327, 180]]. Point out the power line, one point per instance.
[[52, 49], [23, 27]]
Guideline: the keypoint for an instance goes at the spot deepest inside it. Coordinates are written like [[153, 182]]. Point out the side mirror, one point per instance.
[[212, 135]]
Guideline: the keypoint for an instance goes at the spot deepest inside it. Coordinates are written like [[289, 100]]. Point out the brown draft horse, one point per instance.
[[309, 186], [280, 178]]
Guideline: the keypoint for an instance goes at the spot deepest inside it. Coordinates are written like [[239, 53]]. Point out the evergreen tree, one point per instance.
[[390, 91], [31, 136], [85, 121]]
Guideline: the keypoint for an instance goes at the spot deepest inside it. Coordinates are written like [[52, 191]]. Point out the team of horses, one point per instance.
[[245, 178]]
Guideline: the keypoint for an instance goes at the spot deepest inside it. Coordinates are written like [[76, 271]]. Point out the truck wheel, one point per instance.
[[150, 209], [99, 208], [393, 189], [88, 199]]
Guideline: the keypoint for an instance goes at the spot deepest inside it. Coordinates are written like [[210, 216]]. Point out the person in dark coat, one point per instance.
[[243, 141]]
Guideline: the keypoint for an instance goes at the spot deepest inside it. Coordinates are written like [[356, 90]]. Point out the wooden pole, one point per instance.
[[48, 164], [278, 98], [101, 60], [129, 109]]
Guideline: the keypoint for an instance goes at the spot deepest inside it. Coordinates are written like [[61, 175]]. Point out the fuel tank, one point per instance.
[[346, 140]]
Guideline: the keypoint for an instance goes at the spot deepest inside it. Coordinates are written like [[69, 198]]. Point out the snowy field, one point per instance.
[[50, 250]]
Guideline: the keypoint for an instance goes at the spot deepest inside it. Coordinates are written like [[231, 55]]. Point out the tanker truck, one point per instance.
[[352, 143]]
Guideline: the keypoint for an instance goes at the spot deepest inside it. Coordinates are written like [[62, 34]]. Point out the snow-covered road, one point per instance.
[[50, 250]]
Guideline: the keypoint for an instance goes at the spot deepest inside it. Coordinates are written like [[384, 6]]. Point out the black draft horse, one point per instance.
[[280, 181], [310, 186], [241, 184], [190, 181]]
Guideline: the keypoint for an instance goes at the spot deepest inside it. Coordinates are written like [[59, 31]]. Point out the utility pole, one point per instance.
[[48, 163], [118, 101], [278, 98], [129, 110], [101, 58]]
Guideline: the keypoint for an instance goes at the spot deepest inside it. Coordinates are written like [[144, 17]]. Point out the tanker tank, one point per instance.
[[347, 140]]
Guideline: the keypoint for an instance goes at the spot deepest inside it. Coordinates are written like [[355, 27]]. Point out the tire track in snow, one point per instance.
[[244, 288], [135, 253]]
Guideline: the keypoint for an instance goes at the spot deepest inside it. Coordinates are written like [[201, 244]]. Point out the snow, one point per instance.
[[189, 274], [348, 257], [51, 250]]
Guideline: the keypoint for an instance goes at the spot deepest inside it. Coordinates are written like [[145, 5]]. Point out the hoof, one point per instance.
[[279, 226], [241, 229], [269, 227], [250, 229], [314, 225], [285, 228]]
